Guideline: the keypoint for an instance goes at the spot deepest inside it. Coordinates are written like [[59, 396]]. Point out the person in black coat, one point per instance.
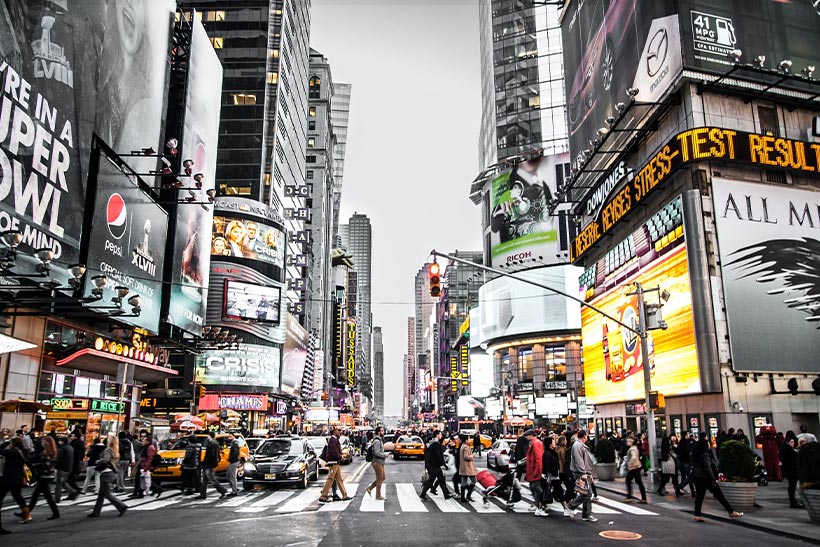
[[12, 479], [522, 445], [76, 442], [788, 459], [63, 466], [436, 464], [551, 468], [454, 450], [704, 476]]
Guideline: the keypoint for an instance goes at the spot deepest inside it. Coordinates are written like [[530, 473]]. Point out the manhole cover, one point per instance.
[[620, 534]]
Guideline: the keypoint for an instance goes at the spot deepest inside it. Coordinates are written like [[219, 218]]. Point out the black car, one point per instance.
[[282, 461]]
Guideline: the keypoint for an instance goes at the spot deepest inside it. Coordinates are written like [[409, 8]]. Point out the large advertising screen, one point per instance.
[[654, 255], [68, 70], [250, 239], [510, 307], [295, 356], [126, 245], [776, 29], [247, 365], [520, 222], [191, 264], [251, 302], [769, 249], [609, 47]]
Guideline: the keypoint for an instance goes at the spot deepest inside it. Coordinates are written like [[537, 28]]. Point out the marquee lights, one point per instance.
[[124, 350]]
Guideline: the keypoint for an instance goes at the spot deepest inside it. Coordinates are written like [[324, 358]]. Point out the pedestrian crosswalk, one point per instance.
[[401, 498]]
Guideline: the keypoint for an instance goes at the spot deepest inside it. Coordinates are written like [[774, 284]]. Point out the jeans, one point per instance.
[[122, 472], [62, 480], [44, 487], [190, 480], [635, 475], [436, 478], [232, 476], [334, 476], [685, 478], [537, 492], [16, 493], [581, 499], [665, 477], [209, 477], [107, 480], [378, 468], [90, 474], [701, 486], [792, 489]]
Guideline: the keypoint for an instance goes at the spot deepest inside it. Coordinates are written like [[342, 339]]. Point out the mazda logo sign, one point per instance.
[[656, 54]]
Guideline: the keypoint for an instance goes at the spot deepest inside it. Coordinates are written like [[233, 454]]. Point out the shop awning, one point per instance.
[[103, 362]]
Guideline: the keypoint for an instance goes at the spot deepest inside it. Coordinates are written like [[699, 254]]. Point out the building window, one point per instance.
[[215, 16], [244, 98], [217, 42], [311, 125], [274, 53], [310, 159], [314, 87], [309, 175], [311, 142], [312, 111], [273, 78], [768, 121]]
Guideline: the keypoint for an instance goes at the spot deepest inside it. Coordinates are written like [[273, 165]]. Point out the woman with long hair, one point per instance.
[[704, 476], [42, 468], [669, 465], [12, 479], [107, 468], [466, 469]]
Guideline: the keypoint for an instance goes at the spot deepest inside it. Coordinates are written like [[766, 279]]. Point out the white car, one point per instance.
[[499, 454]]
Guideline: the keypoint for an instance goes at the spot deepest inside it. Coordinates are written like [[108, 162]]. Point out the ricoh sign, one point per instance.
[[251, 365]]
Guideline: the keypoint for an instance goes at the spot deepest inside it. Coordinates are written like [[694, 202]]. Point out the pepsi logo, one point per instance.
[[116, 215]]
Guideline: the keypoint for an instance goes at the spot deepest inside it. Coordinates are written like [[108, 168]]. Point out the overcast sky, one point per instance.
[[412, 148]]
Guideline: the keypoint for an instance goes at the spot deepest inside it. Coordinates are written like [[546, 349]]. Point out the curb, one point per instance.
[[736, 522]]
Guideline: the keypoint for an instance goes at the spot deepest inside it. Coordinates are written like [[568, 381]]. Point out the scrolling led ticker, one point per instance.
[[702, 143]]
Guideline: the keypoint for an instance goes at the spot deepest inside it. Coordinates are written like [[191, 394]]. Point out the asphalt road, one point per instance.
[[288, 516]]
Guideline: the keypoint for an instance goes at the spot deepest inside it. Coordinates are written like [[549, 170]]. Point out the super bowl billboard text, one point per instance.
[[654, 255], [248, 365], [126, 244]]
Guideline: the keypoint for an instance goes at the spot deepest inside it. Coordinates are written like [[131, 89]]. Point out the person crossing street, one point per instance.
[[379, 457], [334, 474], [436, 464]]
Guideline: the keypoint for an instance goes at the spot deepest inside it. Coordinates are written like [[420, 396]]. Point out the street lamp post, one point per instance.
[[647, 381]]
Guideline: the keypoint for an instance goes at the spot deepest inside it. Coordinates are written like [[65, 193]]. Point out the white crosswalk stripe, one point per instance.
[[449, 505], [409, 499], [266, 502], [300, 502], [371, 505], [240, 500], [626, 508], [339, 506]]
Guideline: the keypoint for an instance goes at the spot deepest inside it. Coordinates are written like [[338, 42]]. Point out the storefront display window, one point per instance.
[[526, 360]]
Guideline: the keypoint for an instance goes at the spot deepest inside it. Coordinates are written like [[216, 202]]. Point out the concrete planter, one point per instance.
[[605, 471], [811, 499], [740, 494]]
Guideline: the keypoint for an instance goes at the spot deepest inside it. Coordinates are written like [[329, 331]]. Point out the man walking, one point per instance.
[[535, 457], [94, 452], [477, 443], [581, 468], [78, 450], [334, 474], [379, 458], [685, 446], [63, 466], [435, 463], [125, 461], [233, 464], [209, 466]]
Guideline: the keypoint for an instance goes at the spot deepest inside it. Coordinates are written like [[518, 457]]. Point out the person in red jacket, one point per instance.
[[535, 455], [771, 453]]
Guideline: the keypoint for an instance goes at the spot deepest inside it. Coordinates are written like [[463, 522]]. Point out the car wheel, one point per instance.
[[315, 476], [304, 482], [607, 65], [246, 486]]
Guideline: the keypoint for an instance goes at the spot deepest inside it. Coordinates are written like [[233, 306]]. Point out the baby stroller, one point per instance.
[[505, 487]]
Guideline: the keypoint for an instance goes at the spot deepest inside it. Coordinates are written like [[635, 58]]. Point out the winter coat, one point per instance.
[[233, 455], [79, 450], [703, 466], [434, 456], [581, 459], [146, 456], [550, 464], [65, 458], [535, 453], [561, 452], [13, 468], [788, 457], [633, 458], [521, 447], [466, 466], [212, 453], [334, 450]]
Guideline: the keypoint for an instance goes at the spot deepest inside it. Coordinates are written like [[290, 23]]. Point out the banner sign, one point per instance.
[[455, 373], [464, 362], [250, 365], [243, 402], [113, 407], [699, 144], [351, 353], [295, 356]]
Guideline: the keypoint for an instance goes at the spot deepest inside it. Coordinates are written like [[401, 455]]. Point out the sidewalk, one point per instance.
[[775, 516]]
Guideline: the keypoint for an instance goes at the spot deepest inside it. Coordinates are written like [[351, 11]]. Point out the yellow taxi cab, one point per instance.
[[170, 466], [486, 442], [408, 447]]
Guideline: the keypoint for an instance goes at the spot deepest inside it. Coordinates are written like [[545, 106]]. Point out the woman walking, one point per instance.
[[42, 468], [788, 459], [669, 465], [704, 477], [551, 468], [466, 469], [634, 466], [107, 467], [12, 479], [563, 468]]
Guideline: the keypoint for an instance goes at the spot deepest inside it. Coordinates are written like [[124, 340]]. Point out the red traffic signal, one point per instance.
[[434, 276]]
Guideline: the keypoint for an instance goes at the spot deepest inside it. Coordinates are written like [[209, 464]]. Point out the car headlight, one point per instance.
[[179, 461], [250, 467], [296, 465]]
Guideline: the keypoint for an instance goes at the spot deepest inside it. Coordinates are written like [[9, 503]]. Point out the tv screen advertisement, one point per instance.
[[769, 246], [249, 239], [295, 356], [655, 255], [191, 266], [250, 302], [125, 244], [247, 365]]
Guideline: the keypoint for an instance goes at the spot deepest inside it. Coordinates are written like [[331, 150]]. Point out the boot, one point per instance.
[[470, 492], [25, 516]]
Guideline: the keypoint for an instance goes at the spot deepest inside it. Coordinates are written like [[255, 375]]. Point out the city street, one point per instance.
[[294, 517]]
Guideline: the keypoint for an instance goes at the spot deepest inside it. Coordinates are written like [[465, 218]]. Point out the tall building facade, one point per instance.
[[410, 365], [357, 239], [378, 374], [340, 115]]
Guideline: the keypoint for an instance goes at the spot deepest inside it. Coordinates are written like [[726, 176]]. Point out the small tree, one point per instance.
[[737, 461], [808, 466], [605, 451]]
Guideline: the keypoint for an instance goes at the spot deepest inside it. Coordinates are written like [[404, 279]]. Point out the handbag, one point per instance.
[[546, 495], [425, 475], [624, 469], [582, 486]]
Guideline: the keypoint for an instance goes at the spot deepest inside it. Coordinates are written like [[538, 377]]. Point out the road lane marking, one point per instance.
[[449, 505], [300, 502], [409, 498], [371, 505], [341, 505], [266, 502], [478, 505], [240, 499], [625, 507], [156, 504]]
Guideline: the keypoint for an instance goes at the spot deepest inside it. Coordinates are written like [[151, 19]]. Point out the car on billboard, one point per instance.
[[608, 35]]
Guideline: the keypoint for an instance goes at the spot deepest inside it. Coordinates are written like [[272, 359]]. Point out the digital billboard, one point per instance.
[[520, 222], [68, 70], [191, 265], [610, 46], [251, 302], [249, 239], [126, 244], [247, 365], [295, 356], [654, 255], [510, 307], [768, 253], [776, 29]]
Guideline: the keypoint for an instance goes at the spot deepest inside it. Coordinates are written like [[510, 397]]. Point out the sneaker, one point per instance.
[[643, 502], [736, 514], [324, 500], [532, 508], [541, 513], [424, 498], [569, 513], [595, 498], [232, 494], [590, 519], [381, 498]]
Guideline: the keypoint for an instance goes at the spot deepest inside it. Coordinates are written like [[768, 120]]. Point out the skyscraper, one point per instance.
[[378, 374], [410, 365], [340, 114], [357, 238]]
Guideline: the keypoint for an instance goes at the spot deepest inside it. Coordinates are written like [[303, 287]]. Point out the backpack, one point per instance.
[[368, 455], [156, 461], [125, 449], [323, 455]]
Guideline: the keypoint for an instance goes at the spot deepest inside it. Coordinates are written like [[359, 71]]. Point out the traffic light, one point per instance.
[[324, 395], [434, 276], [201, 392]]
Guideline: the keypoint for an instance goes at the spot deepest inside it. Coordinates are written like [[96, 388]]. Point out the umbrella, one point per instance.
[[231, 414], [208, 417], [187, 424], [518, 421], [23, 405], [196, 421]]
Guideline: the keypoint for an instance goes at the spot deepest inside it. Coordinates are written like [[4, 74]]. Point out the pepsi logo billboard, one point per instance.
[[126, 244]]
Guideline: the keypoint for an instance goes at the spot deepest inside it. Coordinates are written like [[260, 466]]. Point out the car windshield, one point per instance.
[[389, 438], [182, 443], [403, 440], [317, 443], [279, 447], [253, 443]]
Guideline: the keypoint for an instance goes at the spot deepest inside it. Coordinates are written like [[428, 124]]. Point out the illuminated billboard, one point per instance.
[[769, 246], [251, 302], [654, 255], [247, 365], [295, 356], [191, 265], [520, 223], [249, 239]]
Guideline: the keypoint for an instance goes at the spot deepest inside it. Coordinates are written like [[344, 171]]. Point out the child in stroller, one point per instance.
[[505, 487]]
